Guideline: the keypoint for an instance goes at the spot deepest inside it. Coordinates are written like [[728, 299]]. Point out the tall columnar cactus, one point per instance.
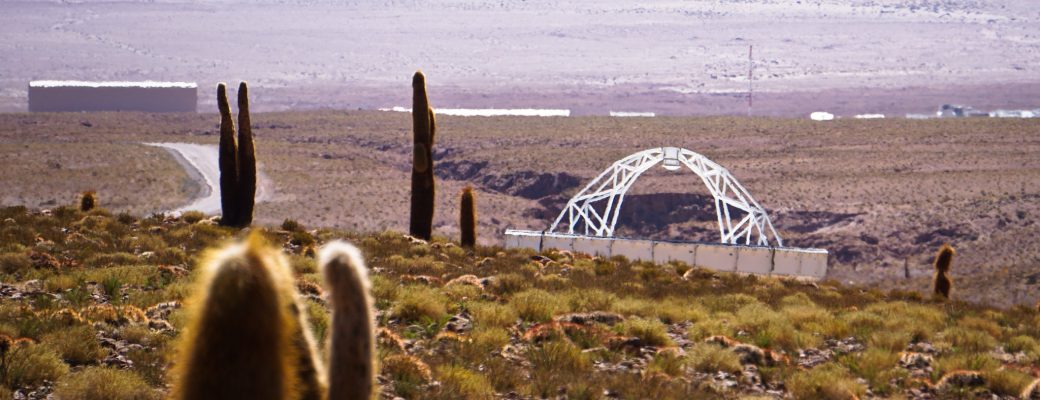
[[246, 159], [228, 161], [352, 348], [237, 160], [421, 223], [943, 283], [248, 337], [468, 217], [238, 342]]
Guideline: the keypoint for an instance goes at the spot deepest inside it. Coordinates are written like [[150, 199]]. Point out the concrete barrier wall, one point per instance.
[[784, 261], [106, 98]]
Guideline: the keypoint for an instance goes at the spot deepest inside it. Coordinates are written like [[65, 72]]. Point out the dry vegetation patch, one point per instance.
[[474, 328]]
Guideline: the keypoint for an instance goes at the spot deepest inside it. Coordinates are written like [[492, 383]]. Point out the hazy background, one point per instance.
[[669, 57]]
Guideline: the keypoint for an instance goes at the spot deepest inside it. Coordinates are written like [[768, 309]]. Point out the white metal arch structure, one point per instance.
[[596, 207]]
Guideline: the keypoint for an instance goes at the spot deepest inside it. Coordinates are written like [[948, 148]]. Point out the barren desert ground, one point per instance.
[[672, 58], [877, 193]]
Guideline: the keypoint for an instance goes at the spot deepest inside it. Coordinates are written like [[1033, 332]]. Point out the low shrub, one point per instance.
[[825, 382], [710, 358], [27, 364], [419, 302], [535, 305], [460, 383], [100, 383], [651, 331], [77, 344]]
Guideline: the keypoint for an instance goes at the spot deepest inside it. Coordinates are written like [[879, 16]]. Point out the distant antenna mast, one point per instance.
[[750, 77]]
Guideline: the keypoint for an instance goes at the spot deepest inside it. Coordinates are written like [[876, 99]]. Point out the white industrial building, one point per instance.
[[146, 96]]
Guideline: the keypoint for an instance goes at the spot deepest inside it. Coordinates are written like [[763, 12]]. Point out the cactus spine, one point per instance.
[[238, 341], [237, 159], [352, 341], [468, 218], [228, 161], [246, 159], [943, 283], [422, 201]]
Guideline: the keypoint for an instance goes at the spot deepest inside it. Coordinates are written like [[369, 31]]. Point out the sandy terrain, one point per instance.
[[848, 56], [879, 194]]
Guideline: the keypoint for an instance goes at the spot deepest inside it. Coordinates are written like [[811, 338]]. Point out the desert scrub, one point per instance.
[[29, 364], [1024, 344], [460, 383], [554, 364], [828, 381], [77, 345], [710, 358], [384, 291], [585, 300], [878, 366], [715, 325], [968, 340], [420, 303], [1007, 382], [668, 361], [651, 331], [408, 373], [492, 314], [508, 283], [101, 383], [14, 263], [535, 305], [969, 362]]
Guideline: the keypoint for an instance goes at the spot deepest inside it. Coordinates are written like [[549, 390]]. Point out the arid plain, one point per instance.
[[881, 195]]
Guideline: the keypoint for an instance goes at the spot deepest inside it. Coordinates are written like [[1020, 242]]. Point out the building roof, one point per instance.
[[137, 84]]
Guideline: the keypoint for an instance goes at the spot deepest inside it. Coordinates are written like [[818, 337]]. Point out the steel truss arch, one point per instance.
[[595, 208]]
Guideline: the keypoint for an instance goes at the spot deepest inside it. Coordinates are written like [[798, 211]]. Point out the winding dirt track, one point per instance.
[[200, 161]]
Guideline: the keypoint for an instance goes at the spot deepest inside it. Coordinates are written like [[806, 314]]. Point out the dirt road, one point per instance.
[[200, 162]]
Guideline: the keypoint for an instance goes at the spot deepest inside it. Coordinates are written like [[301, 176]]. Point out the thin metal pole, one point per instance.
[[750, 78]]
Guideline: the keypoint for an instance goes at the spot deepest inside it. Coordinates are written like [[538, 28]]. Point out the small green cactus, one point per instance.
[[468, 218], [943, 283], [87, 201], [423, 193], [352, 341]]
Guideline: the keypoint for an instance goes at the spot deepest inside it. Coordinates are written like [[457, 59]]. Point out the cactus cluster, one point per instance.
[[423, 195], [943, 283], [247, 335], [237, 160], [468, 218]]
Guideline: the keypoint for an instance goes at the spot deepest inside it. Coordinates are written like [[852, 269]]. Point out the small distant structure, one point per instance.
[[869, 116], [1013, 114], [748, 242], [821, 116], [145, 96], [919, 116], [491, 112], [631, 114], [956, 111]]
